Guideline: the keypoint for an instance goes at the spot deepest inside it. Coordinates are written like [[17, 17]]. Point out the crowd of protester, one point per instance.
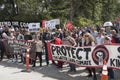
[[78, 37]]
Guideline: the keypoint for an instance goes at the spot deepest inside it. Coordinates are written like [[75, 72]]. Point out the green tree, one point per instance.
[[72, 10]]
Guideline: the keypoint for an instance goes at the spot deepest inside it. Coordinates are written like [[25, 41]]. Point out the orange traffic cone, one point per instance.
[[104, 75], [27, 59]]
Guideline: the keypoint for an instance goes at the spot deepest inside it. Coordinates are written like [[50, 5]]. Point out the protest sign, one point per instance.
[[56, 21], [34, 27], [92, 56], [52, 23]]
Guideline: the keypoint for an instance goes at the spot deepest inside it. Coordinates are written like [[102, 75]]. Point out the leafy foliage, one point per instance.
[[80, 12]]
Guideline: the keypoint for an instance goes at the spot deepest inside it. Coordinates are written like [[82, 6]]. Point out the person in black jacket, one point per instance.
[[46, 38]]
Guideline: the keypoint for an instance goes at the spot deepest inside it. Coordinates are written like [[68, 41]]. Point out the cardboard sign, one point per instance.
[[34, 27], [52, 23], [56, 21]]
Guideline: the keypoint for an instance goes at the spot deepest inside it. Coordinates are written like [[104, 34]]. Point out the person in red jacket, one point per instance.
[[58, 41]]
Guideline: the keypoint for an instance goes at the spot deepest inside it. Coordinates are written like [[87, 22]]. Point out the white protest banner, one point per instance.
[[92, 56], [34, 27], [56, 21], [52, 23]]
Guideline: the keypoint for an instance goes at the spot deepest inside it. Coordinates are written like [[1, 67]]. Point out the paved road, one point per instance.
[[12, 71]]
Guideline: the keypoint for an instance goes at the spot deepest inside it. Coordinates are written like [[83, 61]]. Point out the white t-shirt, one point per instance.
[[99, 40]]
